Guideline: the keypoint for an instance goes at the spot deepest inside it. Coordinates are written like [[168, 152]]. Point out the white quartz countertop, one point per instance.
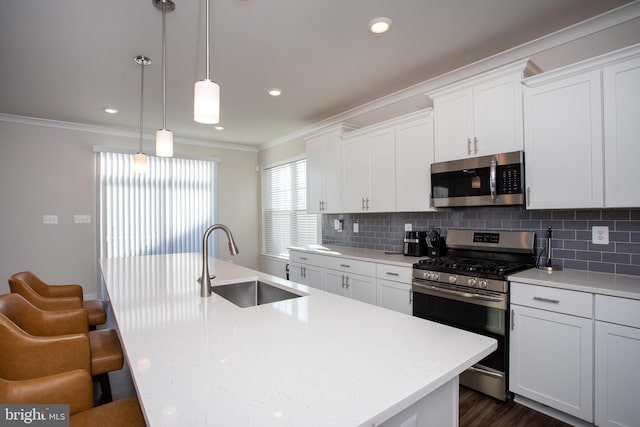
[[362, 254], [317, 360], [616, 285]]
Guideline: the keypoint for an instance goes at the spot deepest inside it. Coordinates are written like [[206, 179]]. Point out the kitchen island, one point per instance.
[[315, 360]]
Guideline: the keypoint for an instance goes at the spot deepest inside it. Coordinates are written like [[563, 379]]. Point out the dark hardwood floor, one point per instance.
[[479, 410]]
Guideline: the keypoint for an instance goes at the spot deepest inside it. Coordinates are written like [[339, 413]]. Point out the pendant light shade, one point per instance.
[[206, 93], [164, 137], [164, 143], [140, 159], [206, 102]]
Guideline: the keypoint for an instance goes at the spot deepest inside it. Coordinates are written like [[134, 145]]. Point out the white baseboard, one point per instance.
[[554, 413]]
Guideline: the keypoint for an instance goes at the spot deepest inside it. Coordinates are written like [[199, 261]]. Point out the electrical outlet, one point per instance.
[[355, 227], [600, 235], [82, 219], [408, 227], [49, 219]]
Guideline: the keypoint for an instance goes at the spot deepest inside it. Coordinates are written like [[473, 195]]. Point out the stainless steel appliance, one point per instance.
[[468, 289], [479, 181]]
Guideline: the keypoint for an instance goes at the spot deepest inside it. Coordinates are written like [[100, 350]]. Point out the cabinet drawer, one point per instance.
[[552, 299], [623, 311], [394, 273], [351, 266], [306, 258]]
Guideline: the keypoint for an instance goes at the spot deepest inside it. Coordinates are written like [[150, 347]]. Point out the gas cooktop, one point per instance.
[[496, 269]]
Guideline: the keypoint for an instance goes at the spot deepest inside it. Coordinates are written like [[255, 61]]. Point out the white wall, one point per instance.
[[48, 170]]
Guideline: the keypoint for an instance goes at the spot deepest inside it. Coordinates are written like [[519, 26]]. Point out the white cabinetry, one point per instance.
[[414, 155], [617, 377], [481, 115], [622, 133], [324, 170], [581, 132], [551, 349], [351, 278], [305, 268], [370, 172], [394, 288]]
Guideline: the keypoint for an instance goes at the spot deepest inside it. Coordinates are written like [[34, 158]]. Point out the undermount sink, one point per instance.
[[252, 293]]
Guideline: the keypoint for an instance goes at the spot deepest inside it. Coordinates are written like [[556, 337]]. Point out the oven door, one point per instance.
[[484, 313]]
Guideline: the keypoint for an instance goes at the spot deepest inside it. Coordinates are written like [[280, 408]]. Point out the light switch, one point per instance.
[[355, 227], [49, 219], [600, 235], [82, 219]]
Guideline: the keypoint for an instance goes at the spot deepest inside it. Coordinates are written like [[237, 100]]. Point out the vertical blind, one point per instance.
[[286, 222], [165, 210]]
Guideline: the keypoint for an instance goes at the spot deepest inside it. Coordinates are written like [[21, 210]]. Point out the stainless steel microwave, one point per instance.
[[479, 181]]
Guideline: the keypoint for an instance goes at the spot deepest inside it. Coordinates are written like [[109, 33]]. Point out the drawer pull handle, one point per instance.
[[551, 300], [392, 274], [345, 265], [303, 258]]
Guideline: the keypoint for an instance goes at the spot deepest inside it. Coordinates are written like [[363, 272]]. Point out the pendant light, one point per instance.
[[206, 93], [140, 159], [164, 137]]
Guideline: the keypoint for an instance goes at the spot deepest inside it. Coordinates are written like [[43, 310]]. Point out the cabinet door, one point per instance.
[[622, 133], [332, 194], [414, 155], [617, 375], [336, 282], [315, 173], [296, 273], [315, 277], [497, 116], [453, 124], [361, 288], [551, 360], [356, 174], [382, 171], [395, 296], [563, 143]]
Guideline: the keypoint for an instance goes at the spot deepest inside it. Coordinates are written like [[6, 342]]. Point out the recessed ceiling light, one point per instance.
[[379, 25], [110, 110], [275, 91], [219, 128]]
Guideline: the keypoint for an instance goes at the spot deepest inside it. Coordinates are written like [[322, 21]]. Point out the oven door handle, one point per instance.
[[458, 293], [493, 180], [485, 372]]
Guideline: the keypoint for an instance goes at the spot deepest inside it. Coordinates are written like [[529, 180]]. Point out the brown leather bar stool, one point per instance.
[[74, 389], [105, 352], [56, 297]]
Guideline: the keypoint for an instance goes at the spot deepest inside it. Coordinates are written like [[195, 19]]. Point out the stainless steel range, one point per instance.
[[468, 289]]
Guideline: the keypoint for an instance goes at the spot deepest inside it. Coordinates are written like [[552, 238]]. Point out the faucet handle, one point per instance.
[[213, 276]]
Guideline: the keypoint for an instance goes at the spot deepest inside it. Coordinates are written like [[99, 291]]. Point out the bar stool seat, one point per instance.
[[74, 389], [105, 351], [56, 297]]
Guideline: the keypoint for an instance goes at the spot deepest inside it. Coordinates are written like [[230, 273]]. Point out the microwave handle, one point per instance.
[[492, 180]]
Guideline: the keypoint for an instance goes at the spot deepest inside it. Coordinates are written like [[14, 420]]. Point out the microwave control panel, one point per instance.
[[510, 179]]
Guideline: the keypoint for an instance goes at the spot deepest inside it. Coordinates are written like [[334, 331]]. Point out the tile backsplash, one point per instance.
[[572, 246]]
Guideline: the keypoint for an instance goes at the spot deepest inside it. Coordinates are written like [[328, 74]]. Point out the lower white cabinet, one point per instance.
[[617, 380], [356, 286], [307, 275], [394, 288], [551, 353]]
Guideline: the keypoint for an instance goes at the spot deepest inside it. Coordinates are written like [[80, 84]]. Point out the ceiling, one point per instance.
[[66, 60]]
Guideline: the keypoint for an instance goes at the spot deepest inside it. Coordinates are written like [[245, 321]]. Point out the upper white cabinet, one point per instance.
[[621, 83], [581, 132], [481, 115], [387, 166], [324, 170], [414, 155]]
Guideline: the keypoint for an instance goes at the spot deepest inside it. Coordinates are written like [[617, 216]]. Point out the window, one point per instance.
[[163, 211], [286, 222]]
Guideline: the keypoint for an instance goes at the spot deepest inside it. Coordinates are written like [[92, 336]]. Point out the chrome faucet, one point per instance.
[[205, 278]]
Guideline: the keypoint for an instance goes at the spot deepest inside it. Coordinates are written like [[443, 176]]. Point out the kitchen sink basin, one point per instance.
[[252, 293]]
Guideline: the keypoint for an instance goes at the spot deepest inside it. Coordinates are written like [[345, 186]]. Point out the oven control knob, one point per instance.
[[472, 282], [482, 284], [453, 279], [435, 276]]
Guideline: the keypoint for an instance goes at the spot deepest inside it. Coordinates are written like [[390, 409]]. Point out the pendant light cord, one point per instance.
[[208, 37], [141, 101], [164, 68]]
